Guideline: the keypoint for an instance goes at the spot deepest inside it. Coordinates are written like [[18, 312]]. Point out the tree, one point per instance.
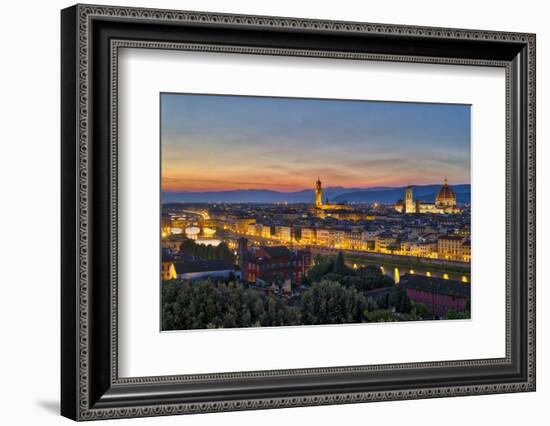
[[393, 247], [454, 314], [219, 252], [246, 317], [370, 277], [420, 310], [188, 246], [322, 266], [339, 264], [330, 268], [187, 305], [399, 300], [380, 315], [328, 302]]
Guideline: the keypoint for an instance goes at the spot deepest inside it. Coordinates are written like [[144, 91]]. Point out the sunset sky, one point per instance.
[[217, 143]]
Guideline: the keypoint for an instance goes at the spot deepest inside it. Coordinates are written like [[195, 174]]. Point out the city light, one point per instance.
[[324, 228], [292, 224]]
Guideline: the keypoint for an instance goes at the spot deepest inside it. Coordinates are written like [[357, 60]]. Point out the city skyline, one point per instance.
[[286, 211], [225, 143]]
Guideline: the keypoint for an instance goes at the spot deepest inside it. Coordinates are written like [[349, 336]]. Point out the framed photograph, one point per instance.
[[263, 212]]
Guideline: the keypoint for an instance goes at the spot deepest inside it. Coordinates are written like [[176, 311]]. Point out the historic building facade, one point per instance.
[[445, 202], [320, 205], [277, 265]]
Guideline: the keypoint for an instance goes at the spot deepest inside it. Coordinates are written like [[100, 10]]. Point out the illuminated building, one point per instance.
[[383, 242], [445, 202], [265, 231], [323, 237], [277, 265], [331, 237], [449, 247], [398, 206], [308, 236], [422, 249], [410, 206], [318, 194], [319, 205], [252, 230], [168, 271], [166, 225], [369, 236], [283, 233], [466, 250], [241, 224], [339, 237], [354, 240], [446, 197]]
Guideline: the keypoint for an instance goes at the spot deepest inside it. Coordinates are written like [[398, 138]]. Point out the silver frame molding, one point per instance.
[[91, 388]]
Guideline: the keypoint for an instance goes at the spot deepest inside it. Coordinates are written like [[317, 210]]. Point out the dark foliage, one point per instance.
[[334, 269], [187, 305], [336, 296], [219, 252]]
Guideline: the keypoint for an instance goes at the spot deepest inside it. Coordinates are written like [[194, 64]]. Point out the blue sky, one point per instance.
[[212, 142]]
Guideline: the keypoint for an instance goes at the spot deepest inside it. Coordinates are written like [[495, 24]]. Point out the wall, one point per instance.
[[29, 176]]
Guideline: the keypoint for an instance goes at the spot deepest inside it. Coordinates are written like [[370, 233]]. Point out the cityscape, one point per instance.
[[241, 251]]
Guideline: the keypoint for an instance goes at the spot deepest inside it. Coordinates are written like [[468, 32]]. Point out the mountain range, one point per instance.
[[381, 194]]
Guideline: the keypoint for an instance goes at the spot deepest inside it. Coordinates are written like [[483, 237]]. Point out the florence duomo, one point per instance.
[[445, 202]]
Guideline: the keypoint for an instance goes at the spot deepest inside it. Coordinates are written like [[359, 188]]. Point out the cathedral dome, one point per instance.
[[446, 196]]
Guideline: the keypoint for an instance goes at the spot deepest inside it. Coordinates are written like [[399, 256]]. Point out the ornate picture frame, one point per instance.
[[91, 37]]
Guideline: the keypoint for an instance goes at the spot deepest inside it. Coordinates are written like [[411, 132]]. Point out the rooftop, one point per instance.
[[436, 285], [276, 251], [451, 237], [200, 265]]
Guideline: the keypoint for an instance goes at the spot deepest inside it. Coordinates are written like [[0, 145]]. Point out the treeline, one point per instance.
[[187, 305], [202, 305], [219, 252], [336, 294]]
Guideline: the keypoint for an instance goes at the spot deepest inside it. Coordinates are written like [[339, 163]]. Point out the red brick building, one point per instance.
[[439, 295], [277, 265]]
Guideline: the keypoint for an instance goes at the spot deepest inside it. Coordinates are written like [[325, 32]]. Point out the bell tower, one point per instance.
[[318, 194], [409, 203]]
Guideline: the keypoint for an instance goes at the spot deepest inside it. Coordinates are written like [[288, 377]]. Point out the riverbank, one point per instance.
[[409, 263]]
